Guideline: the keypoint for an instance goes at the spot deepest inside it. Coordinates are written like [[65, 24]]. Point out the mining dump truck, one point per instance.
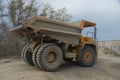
[[50, 42]]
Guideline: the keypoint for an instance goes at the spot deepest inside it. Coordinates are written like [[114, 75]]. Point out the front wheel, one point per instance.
[[87, 57]]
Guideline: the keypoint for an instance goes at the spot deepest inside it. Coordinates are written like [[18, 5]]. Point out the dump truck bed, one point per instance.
[[64, 32]]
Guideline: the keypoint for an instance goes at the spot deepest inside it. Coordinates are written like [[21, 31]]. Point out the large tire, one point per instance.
[[23, 51], [34, 55], [27, 56], [49, 57], [87, 57]]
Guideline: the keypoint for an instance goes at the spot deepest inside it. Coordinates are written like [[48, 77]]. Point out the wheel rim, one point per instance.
[[88, 56], [51, 57]]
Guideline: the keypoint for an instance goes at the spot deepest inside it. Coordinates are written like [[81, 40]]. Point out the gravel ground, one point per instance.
[[105, 68]]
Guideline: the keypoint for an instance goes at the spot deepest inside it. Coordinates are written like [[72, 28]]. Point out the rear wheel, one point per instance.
[[49, 57], [87, 57], [26, 55], [23, 51], [34, 55]]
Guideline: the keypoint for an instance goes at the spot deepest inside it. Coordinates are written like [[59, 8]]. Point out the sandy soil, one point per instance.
[[106, 68]]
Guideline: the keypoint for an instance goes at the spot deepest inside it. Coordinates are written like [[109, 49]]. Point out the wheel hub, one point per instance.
[[51, 57], [88, 56]]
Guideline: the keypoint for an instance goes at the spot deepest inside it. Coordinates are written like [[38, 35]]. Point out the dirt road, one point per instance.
[[104, 69]]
